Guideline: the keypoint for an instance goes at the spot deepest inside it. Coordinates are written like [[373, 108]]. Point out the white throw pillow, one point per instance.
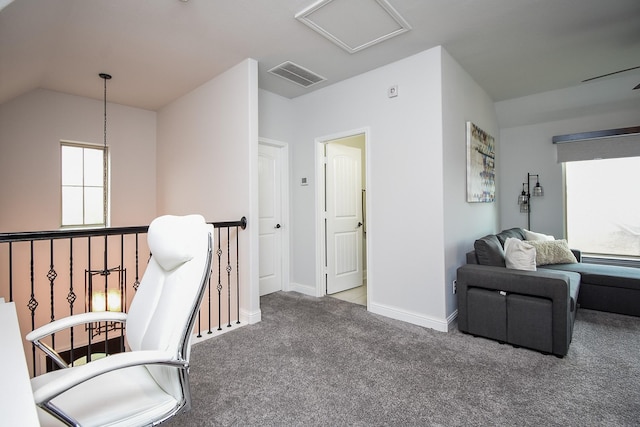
[[519, 255], [532, 235]]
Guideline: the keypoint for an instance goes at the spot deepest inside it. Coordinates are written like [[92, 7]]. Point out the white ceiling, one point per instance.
[[158, 50]]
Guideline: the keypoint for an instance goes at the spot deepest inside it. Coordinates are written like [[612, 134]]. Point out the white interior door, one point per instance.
[[344, 217], [270, 219]]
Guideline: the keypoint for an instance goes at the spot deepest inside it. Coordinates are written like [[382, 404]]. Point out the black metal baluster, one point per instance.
[[106, 296], [71, 298], [32, 305], [199, 335], [137, 281], [51, 275], [219, 252], [10, 271], [228, 277], [209, 331], [123, 291], [238, 274], [88, 296]]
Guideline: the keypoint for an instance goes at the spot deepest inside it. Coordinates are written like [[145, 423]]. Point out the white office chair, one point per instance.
[[149, 383]]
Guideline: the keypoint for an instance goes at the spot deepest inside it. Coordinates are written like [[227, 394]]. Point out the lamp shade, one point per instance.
[[538, 190]]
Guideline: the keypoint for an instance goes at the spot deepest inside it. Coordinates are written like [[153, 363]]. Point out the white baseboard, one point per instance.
[[303, 289], [250, 317], [451, 319], [215, 332], [409, 317]]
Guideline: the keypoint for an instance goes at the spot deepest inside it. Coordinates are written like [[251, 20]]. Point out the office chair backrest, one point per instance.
[[163, 311]]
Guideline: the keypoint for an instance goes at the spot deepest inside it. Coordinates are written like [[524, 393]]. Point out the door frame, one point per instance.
[[320, 142], [284, 195]]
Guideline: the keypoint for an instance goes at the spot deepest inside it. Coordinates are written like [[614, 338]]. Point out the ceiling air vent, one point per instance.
[[296, 74]]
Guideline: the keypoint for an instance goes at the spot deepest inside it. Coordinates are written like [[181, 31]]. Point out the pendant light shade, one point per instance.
[[538, 191]]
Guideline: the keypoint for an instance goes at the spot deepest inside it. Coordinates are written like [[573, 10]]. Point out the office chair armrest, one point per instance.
[[69, 378], [68, 322], [75, 320]]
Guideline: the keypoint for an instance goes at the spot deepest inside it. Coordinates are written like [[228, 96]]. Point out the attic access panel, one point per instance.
[[354, 24]]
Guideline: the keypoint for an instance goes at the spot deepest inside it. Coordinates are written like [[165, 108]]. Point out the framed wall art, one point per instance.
[[481, 165]]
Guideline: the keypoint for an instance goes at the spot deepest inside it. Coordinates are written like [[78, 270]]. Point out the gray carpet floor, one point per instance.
[[325, 362]]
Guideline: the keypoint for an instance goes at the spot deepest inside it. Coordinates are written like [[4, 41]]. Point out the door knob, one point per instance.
[[360, 224], [277, 226]]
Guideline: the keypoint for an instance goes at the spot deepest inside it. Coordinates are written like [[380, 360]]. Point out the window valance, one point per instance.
[[604, 144]]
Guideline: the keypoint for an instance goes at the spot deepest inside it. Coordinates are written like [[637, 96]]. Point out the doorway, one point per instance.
[[273, 217], [342, 205]]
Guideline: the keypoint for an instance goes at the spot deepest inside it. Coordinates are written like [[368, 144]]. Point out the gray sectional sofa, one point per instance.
[[537, 309]]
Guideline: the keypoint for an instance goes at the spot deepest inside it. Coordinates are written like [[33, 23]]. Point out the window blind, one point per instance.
[[608, 144]]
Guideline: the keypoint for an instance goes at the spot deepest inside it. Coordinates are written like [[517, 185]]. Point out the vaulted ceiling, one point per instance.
[[158, 50]]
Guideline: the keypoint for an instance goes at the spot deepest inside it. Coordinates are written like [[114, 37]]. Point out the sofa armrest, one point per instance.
[[578, 254], [551, 285]]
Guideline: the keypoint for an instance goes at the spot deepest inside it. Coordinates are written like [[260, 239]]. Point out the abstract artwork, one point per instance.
[[481, 165]]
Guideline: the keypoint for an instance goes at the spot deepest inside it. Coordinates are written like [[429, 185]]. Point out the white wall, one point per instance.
[[31, 128], [416, 184], [405, 191], [208, 161], [463, 100], [276, 117], [529, 148]]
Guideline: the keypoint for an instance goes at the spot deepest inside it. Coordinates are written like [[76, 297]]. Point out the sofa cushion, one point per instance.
[[489, 251], [519, 255], [517, 233], [532, 235], [552, 252], [603, 275]]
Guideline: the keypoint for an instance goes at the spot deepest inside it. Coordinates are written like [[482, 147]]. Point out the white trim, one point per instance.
[[410, 317], [452, 317], [285, 211], [215, 332], [320, 288], [250, 317], [303, 289], [305, 17]]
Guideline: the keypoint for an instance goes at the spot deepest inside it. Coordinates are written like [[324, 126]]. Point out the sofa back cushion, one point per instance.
[[489, 251], [516, 233]]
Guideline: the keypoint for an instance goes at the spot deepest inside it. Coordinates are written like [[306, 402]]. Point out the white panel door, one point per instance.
[[344, 218], [270, 214]]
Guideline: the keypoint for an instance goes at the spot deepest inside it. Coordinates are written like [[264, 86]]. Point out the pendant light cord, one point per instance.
[[105, 182]]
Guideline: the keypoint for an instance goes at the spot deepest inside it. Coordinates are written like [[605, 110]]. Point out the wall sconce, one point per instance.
[[524, 199]]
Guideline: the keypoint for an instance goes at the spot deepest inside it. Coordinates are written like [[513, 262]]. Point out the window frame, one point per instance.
[[105, 185], [596, 257]]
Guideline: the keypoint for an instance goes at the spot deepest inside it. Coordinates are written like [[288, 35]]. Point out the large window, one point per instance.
[[84, 185], [603, 207]]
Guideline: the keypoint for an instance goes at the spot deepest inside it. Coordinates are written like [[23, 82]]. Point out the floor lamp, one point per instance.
[[524, 199]]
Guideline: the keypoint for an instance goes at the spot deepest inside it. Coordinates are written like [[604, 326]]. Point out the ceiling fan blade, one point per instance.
[[611, 74]]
